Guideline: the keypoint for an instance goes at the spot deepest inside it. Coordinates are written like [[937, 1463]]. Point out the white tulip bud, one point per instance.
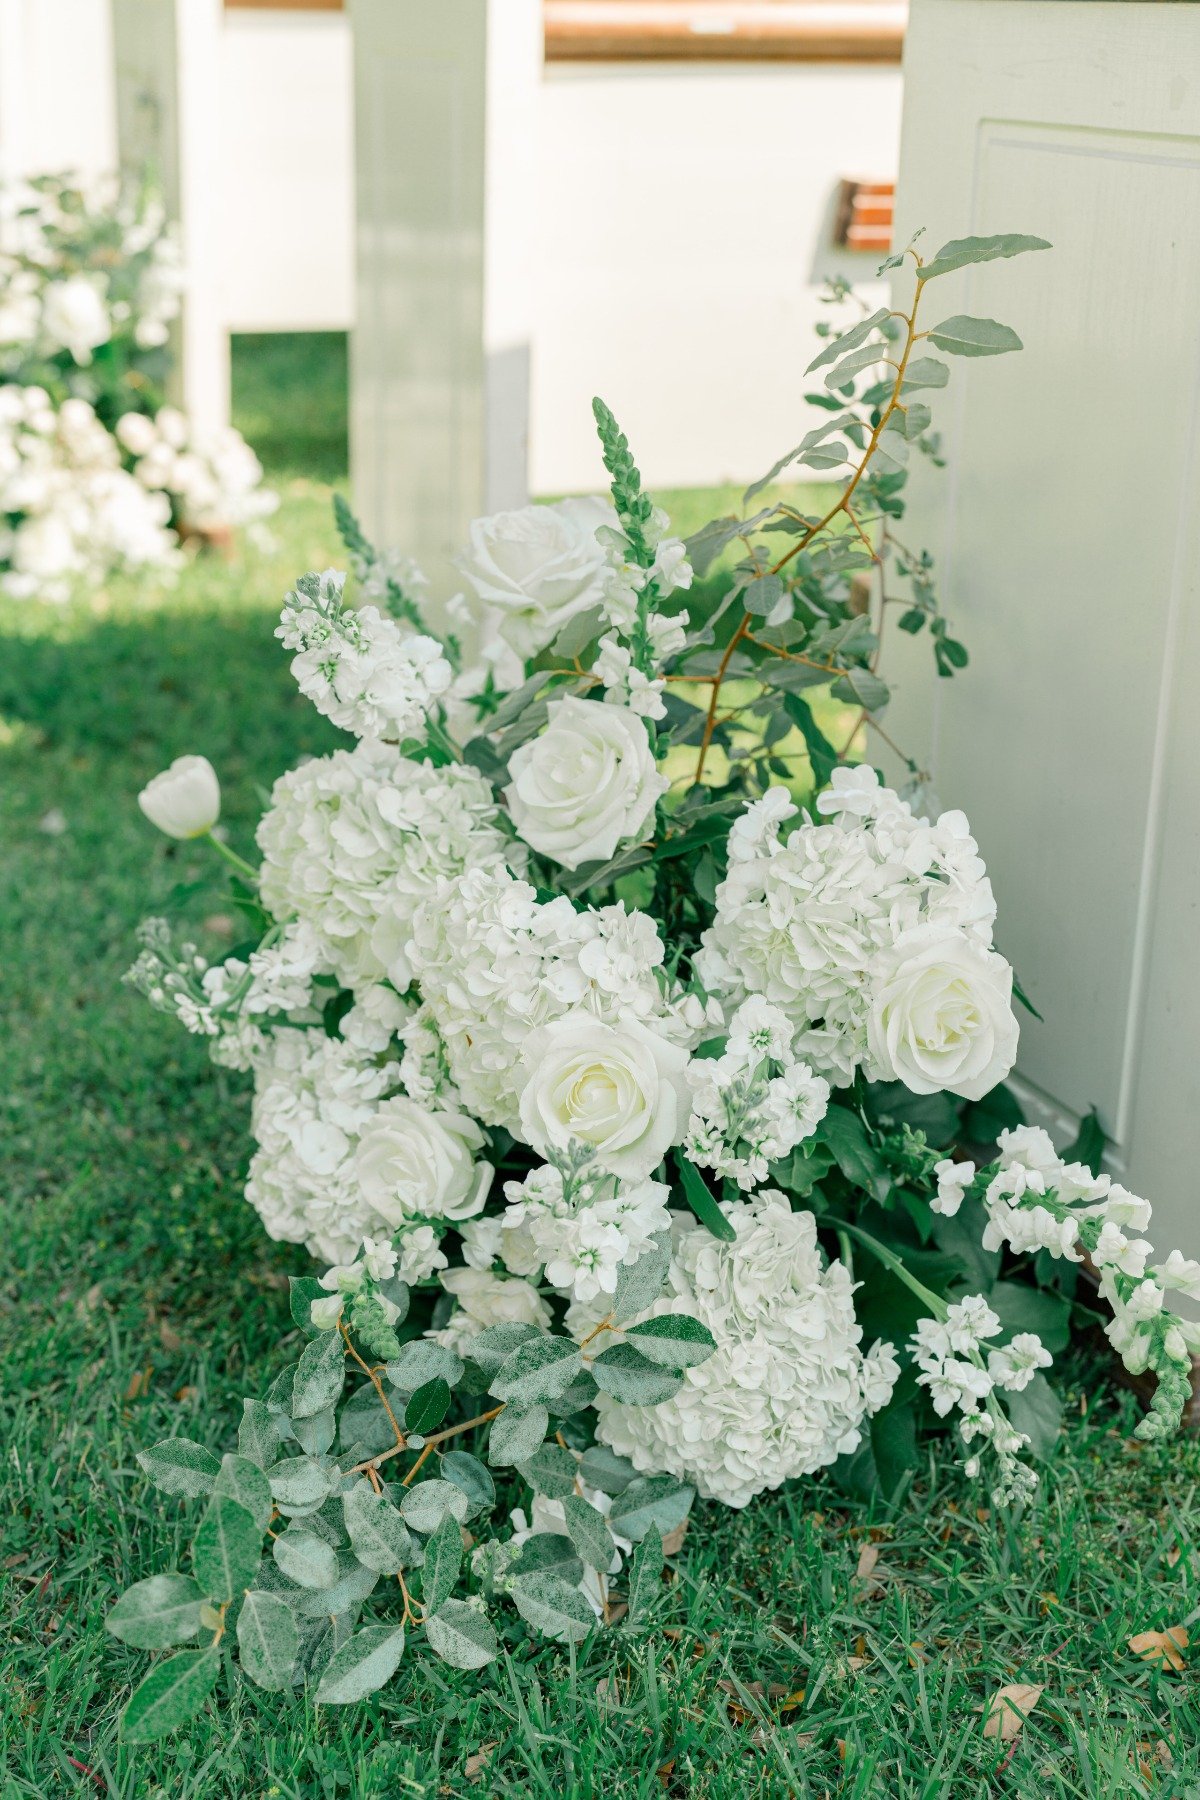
[[185, 800]]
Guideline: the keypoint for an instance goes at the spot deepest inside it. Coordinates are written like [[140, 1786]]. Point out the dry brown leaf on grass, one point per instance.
[[868, 1556], [476, 1765], [673, 1542], [1162, 1648], [1008, 1709]]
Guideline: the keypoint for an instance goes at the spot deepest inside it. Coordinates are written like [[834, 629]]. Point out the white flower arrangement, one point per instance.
[[602, 1088]]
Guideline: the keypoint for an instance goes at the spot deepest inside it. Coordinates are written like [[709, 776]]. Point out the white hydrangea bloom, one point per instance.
[[352, 843], [788, 1387], [367, 673], [872, 933], [755, 1103], [494, 963]]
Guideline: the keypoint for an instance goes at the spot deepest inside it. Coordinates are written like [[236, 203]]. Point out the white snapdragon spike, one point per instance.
[[534, 569], [352, 843], [482, 1299], [580, 1225], [494, 964], [368, 674], [788, 1388], [961, 1372], [873, 934], [184, 801], [314, 1098], [588, 783], [1036, 1201], [752, 1105]]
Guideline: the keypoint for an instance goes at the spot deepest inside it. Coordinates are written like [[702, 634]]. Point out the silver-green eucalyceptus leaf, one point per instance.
[[469, 1474], [246, 1483], [363, 1663], [627, 1375], [959, 252], [305, 1558], [177, 1466], [422, 1361], [426, 1505], [170, 1694], [320, 1375], [553, 1607], [674, 1339], [551, 1471], [588, 1532], [657, 1500], [516, 1434], [443, 1560], [461, 1635], [156, 1613], [268, 1639], [537, 1371], [226, 1549], [964, 336], [640, 1283], [380, 1537], [849, 340], [645, 1574], [299, 1485]]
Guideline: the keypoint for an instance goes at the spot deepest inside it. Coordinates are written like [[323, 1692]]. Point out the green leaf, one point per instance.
[[426, 1505], [496, 1343], [763, 594], [640, 1283], [177, 1466], [305, 1558], [364, 1663], [299, 1485], [443, 1560], [427, 1407], [380, 1538], [602, 1468], [423, 1361], [1037, 1411], [821, 753], [553, 1607], [158, 1612], [354, 1583], [631, 1377], [226, 1549], [1020, 1307], [315, 1434], [303, 1290], [268, 1639], [675, 1340], [320, 1375], [259, 1436], [551, 1471], [548, 1550], [469, 1474], [364, 1428], [1089, 1145], [537, 1371], [961, 1236], [169, 1695], [859, 687], [844, 372], [588, 1532], [657, 1500], [961, 251], [893, 1438], [461, 1635], [924, 372], [699, 1198], [515, 1435], [579, 632], [843, 1132], [645, 1574], [849, 340], [246, 1483], [964, 336], [999, 1110]]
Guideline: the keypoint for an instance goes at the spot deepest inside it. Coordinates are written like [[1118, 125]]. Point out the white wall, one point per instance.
[[57, 106], [685, 223]]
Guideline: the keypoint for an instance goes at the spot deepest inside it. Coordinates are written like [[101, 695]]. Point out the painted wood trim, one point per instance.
[[725, 30]]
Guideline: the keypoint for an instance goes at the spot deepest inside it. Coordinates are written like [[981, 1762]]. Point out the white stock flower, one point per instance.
[[941, 1017], [368, 674], [620, 1088], [953, 1180], [486, 1299], [184, 800], [786, 1391], [417, 1164], [536, 568], [421, 1254], [588, 783]]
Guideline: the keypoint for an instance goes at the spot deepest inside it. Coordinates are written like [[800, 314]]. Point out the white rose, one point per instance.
[[485, 1299], [621, 1088], [74, 315], [413, 1163], [185, 800], [538, 567], [136, 433], [941, 1013], [588, 782]]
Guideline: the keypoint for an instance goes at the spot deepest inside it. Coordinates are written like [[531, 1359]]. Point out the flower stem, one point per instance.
[[233, 859], [890, 1260]]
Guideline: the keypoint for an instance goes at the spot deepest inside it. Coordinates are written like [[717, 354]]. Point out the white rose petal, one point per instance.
[[941, 1017], [588, 783], [621, 1088], [538, 567], [412, 1163]]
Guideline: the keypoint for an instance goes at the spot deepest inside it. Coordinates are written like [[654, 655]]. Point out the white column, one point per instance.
[[1064, 529], [169, 106], [445, 111]]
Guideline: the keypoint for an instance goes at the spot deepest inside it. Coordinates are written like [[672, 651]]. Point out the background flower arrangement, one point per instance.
[[96, 471], [620, 1093]]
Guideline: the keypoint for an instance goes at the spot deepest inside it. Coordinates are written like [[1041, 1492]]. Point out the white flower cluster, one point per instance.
[[214, 480], [788, 1387], [579, 1225], [755, 1102], [71, 513], [353, 843], [872, 933], [950, 1355], [495, 965], [368, 674], [642, 637]]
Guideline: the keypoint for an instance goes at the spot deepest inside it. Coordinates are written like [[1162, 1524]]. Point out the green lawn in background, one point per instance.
[[807, 1646]]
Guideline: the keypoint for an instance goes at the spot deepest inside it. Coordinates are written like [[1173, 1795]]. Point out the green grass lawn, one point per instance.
[[139, 1297]]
